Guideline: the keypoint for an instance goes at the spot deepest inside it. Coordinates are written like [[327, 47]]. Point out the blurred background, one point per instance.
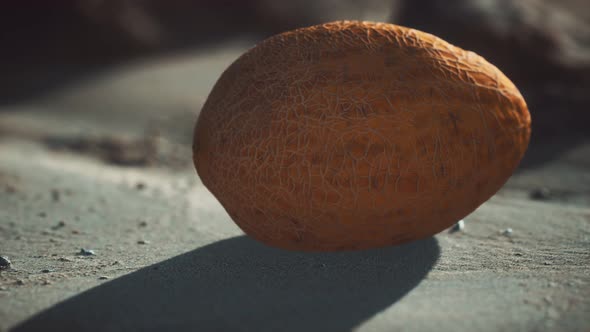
[[149, 63]]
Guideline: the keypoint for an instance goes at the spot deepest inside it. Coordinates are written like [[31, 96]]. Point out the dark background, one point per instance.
[[543, 46]]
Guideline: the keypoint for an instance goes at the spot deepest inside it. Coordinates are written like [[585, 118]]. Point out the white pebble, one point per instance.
[[507, 232]]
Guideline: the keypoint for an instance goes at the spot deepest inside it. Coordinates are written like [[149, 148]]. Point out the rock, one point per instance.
[[5, 263], [542, 193], [86, 252], [458, 227]]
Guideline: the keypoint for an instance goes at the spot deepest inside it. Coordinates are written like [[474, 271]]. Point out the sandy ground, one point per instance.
[[168, 257]]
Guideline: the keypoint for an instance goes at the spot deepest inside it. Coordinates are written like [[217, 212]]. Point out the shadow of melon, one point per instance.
[[238, 284]]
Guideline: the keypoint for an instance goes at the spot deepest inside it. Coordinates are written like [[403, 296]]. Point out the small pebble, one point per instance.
[[65, 259], [46, 282], [142, 223], [3, 288], [103, 278], [55, 195], [47, 270], [20, 282], [5, 263], [540, 194], [86, 252], [42, 214], [507, 232], [143, 242], [59, 225], [552, 284], [75, 231], [546, 263], [140, 186], [458, 227], [548, 299]]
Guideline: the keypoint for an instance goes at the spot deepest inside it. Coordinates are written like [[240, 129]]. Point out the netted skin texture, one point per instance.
[[354, 135]]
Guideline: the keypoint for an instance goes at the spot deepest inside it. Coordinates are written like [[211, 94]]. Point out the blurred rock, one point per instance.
[[170, 24], [55, 44], [155, 23], [285, 15], [543, 46]]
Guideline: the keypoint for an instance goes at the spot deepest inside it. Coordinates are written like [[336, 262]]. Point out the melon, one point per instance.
[[354, 135]]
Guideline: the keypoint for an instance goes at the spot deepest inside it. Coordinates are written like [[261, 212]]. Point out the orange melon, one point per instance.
[[353, 135]]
